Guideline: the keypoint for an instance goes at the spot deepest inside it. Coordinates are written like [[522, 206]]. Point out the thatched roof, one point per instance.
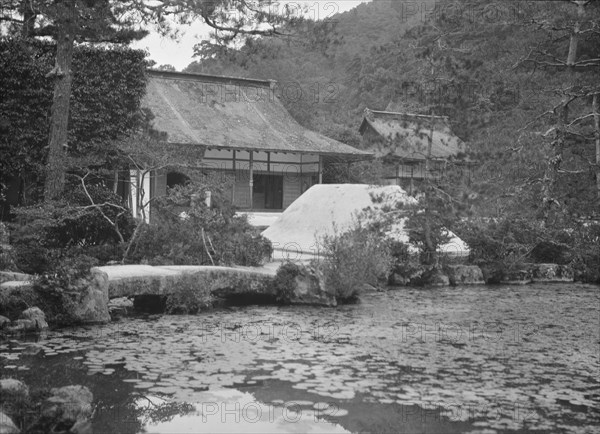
[[406, 136], [231, 113]]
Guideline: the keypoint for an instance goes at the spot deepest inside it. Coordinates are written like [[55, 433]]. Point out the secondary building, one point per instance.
[[412, 146]]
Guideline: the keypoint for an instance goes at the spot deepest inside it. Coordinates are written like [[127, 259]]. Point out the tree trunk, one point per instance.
[[56, 165], [596, 110], [558, 145], [432, 257]]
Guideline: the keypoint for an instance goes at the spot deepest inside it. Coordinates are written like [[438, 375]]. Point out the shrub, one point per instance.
[[504, 244], [192, 294], [54, 291], [353, 259], [511, 242], [46, 233], [284, 281], [586, 255], [205, 236]]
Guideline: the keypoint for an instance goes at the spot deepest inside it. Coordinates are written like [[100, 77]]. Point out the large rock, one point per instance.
[[120, 307], [299, 284], [35, 317], [91, 304], [69, 408], [551, 273], [4, 322], [397, 279], [13, 391], [517, 276], [465, 275], [7, 426], [430, 276], [434, 277]]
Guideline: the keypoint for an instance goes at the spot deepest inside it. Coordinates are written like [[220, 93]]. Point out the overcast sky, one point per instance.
[[179, 52]]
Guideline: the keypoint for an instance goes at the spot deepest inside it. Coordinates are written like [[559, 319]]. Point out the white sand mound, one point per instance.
[[326, 209]]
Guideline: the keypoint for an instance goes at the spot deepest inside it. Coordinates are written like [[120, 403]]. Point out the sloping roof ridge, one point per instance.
[[210, 77], [383, 112]]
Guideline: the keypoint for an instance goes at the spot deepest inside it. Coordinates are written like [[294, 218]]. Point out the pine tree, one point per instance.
[[111, 21]]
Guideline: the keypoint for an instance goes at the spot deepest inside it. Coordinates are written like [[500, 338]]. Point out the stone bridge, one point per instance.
[[133, 280]]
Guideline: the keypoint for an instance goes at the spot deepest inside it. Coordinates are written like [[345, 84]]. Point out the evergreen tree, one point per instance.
[[113, 21]]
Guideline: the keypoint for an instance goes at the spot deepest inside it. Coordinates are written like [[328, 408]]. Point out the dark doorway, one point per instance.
[[176, 178], [267, 192]]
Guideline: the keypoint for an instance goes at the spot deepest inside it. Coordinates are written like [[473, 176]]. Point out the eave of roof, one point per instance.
[[224, 79]]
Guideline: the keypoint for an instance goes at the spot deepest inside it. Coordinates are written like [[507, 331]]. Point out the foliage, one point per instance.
[[15, 301], [108, 86], [404, 263], [45, 234], [117, 22], [428, 222], [55, 290], [205, 235], [352, 259], [468, 66], [284, 281], [508, 241], [192, 294], [586, 252]]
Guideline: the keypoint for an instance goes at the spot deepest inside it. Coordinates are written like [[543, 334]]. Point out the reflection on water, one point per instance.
[[226, 410], [481, 359]]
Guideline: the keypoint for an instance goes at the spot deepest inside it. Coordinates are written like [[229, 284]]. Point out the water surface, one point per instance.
[[482, 359]]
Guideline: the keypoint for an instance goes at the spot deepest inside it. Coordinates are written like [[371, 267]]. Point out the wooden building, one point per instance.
[[238, 128], [402, 141]]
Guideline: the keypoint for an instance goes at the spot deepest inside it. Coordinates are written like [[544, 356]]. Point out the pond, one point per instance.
[[480, 359]]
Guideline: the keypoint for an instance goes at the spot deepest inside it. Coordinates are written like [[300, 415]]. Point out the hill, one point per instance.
[[493, 67]]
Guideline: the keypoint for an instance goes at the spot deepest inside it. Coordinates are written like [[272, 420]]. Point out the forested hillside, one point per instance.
[[504, 72]]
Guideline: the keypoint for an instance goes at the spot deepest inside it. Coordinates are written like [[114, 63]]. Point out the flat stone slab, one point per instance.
[[15, 284], [13, 276], [116, 272], [132, 280]]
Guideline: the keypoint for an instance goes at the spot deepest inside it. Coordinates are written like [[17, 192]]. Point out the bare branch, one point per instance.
[[99, 207], [580, 118]]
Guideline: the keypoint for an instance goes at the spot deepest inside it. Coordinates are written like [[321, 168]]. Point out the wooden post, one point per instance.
[[320, 169], [234, 180], [251, 180], [301, 176]]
